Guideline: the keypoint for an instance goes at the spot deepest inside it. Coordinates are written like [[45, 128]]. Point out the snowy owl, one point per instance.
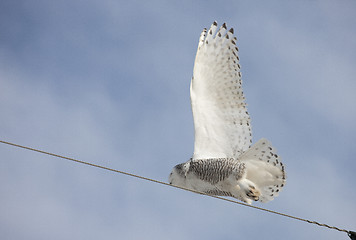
[[224, 163]]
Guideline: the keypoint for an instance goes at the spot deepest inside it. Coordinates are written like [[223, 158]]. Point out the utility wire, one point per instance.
[[351, 234]]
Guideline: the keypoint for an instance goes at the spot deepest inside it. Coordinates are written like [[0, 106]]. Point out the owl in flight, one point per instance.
[[224, 163]]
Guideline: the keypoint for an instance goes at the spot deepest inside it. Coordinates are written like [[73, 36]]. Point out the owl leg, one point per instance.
[[249, 189]]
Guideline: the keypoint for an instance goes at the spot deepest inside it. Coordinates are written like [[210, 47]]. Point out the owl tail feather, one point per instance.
[[264, 169]]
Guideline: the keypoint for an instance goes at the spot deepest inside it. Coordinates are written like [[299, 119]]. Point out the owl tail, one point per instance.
[[264, 169]]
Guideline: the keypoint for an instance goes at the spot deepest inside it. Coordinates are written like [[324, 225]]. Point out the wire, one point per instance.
[[351, 234]]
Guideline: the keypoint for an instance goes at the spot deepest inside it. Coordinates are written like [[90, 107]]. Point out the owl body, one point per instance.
[[209, 176], [257, 175], [225, 162]]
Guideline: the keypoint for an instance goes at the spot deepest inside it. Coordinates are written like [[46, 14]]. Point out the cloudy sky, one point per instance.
[[108, 82]]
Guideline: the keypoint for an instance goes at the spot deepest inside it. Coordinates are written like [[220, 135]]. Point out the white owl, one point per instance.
[[224, 163]]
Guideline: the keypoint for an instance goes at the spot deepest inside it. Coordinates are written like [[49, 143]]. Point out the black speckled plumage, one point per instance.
[[214, 170]]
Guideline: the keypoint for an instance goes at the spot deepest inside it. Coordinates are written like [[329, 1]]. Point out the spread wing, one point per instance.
[[221, 121]]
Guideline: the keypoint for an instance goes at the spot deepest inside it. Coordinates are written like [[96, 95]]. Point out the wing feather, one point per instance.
[[221, 120]]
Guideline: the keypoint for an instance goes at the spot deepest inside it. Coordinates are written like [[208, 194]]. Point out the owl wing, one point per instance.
[[221, 121]]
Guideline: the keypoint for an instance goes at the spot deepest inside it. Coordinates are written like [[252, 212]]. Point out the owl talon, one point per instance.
[[254, 196], [250, 190]]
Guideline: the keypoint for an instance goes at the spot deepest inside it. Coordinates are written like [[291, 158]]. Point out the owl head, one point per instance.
[[179, 174]]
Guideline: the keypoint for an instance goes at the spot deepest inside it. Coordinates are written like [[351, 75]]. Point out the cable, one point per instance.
[[351, 234]]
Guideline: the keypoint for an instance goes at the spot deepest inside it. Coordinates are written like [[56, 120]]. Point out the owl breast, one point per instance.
[[215, 170]]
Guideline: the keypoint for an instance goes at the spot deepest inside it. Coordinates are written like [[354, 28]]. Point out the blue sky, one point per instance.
[[108, 82]]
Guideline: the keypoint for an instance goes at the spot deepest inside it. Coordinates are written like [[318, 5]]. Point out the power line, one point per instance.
[[351, 234]]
